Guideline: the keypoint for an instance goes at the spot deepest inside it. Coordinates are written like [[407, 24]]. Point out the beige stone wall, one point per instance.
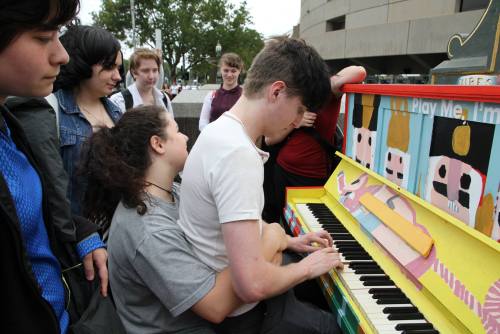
[[383, 27]]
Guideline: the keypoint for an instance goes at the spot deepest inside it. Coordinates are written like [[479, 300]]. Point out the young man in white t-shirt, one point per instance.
[[222, 195], [144, 67]]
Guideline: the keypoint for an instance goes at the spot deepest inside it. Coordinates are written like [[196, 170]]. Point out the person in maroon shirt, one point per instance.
[[302, 160], [221, 100]]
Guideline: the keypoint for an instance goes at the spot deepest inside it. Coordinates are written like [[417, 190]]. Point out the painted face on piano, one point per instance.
[[364, 146], [455, 187], [397, 165]]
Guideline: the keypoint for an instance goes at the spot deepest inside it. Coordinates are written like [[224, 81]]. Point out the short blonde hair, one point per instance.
[[139, 54]]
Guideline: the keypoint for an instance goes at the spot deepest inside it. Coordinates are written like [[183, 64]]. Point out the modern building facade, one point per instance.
[[386, 36]]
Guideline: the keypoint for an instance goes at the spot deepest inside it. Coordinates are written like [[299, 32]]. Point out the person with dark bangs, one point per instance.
[[32, 245], [81, 90]]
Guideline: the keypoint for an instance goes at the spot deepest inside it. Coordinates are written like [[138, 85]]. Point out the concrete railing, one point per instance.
[[187, 106]]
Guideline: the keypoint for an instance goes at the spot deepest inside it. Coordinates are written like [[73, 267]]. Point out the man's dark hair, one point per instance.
[[86, 46], [301, 68], [19, 16]]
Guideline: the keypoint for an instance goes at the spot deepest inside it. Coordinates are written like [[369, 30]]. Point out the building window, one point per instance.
[[466, 5], [337, 23]]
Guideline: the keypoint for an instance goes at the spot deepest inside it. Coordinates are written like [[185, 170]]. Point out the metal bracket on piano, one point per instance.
[[411, 234]]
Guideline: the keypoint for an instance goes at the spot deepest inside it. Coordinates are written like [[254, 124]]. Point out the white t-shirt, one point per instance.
[[136, 96], [205, 111], [221, 182]]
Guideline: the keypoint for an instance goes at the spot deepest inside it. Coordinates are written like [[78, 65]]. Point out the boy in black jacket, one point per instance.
[[32, 244]]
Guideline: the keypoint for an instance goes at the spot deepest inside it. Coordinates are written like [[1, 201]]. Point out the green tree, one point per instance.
[[190, 29]]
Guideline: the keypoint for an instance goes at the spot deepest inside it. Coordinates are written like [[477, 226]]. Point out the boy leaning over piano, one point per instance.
[[222, 196]]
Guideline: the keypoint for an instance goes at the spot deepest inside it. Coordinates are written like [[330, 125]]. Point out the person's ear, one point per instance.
[[157, 144], [132, 73], [275, 89]]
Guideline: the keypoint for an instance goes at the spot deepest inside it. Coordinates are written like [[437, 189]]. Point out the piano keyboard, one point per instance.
[[385, 306]]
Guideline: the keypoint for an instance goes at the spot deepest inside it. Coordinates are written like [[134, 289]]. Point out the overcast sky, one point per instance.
[[270, 17]]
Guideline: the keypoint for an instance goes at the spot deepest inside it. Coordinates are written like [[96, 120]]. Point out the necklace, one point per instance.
[[98, 121], [164, 189]]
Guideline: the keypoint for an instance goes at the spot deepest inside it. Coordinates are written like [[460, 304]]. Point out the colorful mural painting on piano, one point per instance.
[[397, 158], [364, 136], [413, 264], [458, 164], [433, 148]]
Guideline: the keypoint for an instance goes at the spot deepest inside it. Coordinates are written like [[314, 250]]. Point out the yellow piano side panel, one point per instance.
[[454, 281]]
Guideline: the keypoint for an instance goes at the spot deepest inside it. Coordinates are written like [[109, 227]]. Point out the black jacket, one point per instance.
[[25, 310]]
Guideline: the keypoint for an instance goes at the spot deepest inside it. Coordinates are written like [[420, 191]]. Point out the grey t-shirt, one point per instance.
[[154, 276]]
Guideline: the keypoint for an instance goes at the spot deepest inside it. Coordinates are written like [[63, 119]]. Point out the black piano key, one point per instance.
[[400, 309], [385, 290], [389, 301], [336, 230], [402, 327], [368, 271], [341, 236], [354, 252], [406, 316], [363, 264], [346, 246], [344, 249], [374, 278], [390, 296], [353, 247], [345, 242], [420, 331], [378, 283], [356, 257], [358, 267]]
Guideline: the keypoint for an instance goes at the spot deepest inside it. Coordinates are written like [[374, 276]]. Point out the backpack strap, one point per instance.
[[127, 97], [52, 100]]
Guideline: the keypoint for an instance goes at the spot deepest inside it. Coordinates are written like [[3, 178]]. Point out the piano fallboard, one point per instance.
[[454, 287]]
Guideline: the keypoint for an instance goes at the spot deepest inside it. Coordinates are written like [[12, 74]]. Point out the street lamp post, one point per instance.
[[132, 12], [218, 49]]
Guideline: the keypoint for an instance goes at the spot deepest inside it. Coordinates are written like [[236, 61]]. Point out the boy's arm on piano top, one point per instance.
[[347, 75]]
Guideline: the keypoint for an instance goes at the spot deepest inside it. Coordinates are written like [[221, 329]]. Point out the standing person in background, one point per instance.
[[303, 159], [31, 245], [145, 68], [81, 90], [221, 100], [166, 89]]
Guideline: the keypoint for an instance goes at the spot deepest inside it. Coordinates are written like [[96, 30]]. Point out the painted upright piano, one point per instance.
[[414, 207]]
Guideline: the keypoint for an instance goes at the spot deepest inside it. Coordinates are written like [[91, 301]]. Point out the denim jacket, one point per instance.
[[74, 130]]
